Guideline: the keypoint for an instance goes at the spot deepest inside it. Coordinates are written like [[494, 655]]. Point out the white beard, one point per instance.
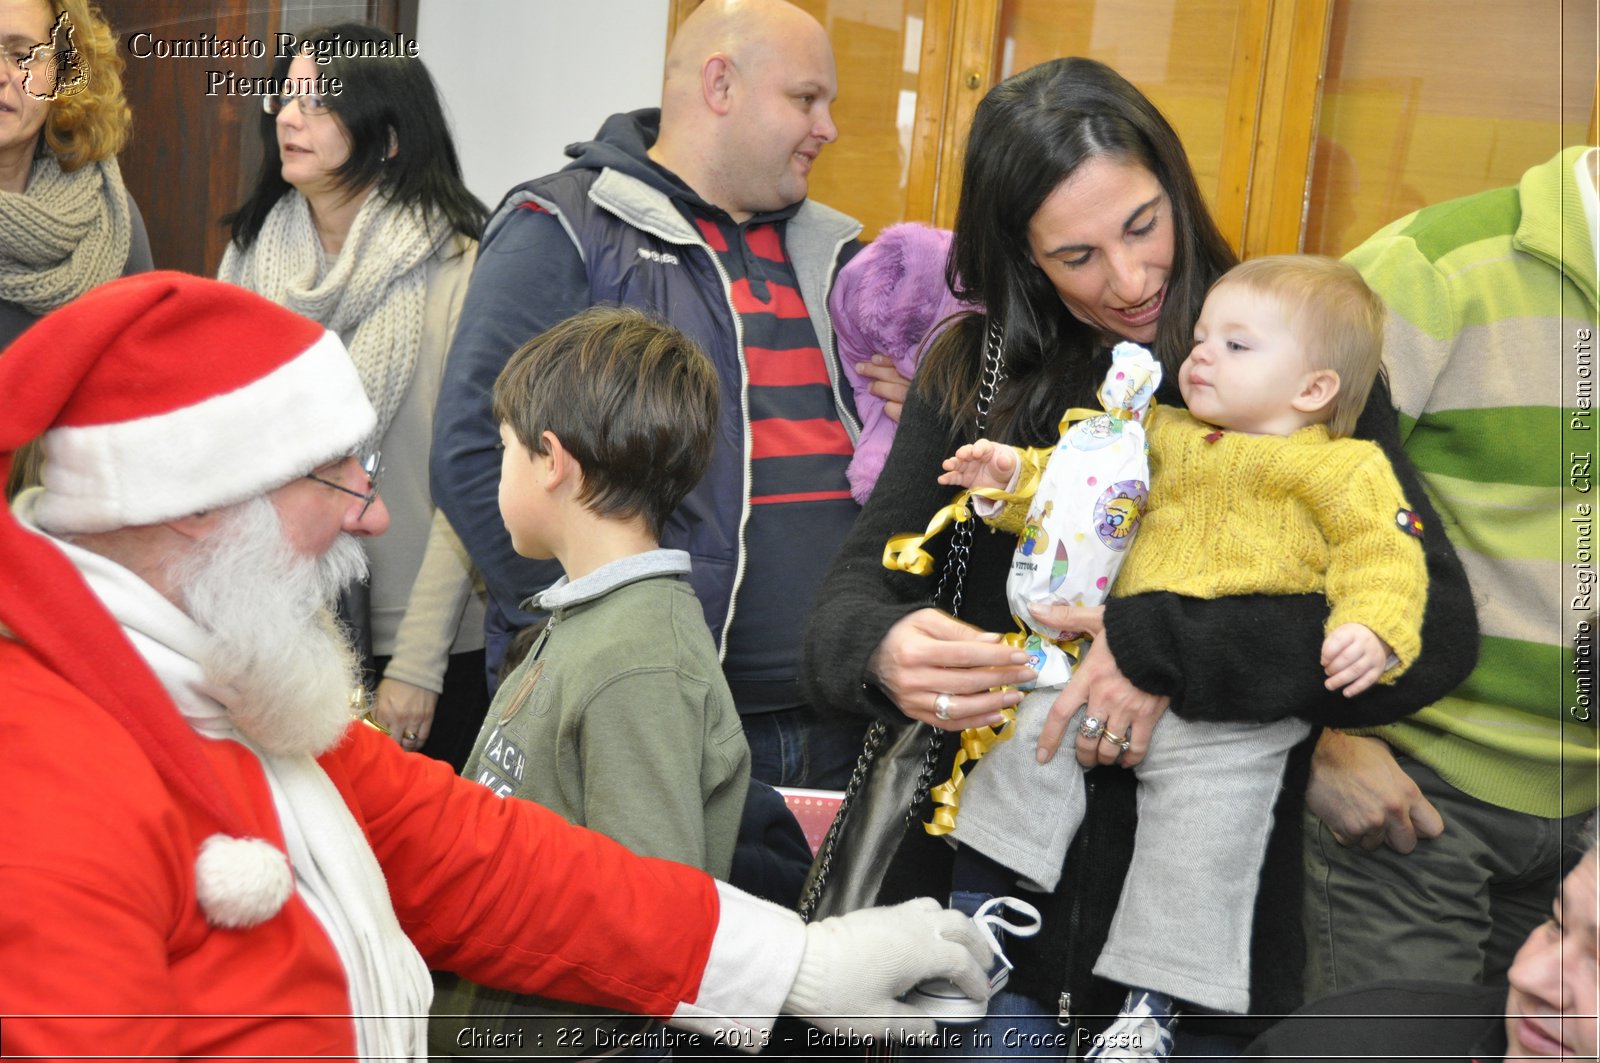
[[283, 668]]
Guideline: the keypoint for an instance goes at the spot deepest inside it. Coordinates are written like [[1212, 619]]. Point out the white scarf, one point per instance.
[[374, 294], [336, 873], [62, 236]]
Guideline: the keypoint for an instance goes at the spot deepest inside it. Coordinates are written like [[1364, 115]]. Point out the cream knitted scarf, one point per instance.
[[67, 233], [373, 294]]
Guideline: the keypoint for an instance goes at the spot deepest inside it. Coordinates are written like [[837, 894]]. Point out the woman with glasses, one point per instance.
[[359, 219], [66, 221]]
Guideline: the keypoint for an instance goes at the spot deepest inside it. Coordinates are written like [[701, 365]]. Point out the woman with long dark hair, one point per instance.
[[360, 219], [1079, 225]]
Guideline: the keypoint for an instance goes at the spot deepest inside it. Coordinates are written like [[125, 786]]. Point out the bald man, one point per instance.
[[696, 212]]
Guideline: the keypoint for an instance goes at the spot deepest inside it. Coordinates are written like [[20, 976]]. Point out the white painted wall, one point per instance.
[[522, 79]]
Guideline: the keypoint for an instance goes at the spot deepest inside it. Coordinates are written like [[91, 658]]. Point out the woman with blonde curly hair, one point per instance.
[[66, 221]]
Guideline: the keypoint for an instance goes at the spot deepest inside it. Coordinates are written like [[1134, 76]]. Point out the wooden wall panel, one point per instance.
[[1424, 102], [933, 91], [1280, 164], [864, 173], [972, 70], [892, 58], [1241, 117], [1204, 63]]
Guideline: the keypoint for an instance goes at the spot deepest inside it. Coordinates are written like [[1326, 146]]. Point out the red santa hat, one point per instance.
[[185, 395], [158, 396]]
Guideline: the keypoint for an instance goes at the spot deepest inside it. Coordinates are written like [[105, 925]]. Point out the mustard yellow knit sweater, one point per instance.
[[1230, 513]]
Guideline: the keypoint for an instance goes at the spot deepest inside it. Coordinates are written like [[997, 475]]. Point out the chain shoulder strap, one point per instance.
[[876, 735], [954, 575], [951, 579]]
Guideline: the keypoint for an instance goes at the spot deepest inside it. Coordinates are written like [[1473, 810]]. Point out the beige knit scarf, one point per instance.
[[373, 294], [65, 234]]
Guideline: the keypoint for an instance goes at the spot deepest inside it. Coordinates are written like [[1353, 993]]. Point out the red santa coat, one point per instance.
[[104, 950]]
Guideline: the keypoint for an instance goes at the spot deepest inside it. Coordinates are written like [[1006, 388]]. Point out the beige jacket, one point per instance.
[[427, 600]]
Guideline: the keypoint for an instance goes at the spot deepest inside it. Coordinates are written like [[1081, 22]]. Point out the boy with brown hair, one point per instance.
[[619, 718]]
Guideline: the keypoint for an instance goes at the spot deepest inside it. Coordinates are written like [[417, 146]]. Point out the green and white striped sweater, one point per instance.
[[1489, 348]]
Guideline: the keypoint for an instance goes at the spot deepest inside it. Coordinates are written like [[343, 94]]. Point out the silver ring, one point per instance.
[[1091, 727], [941, 706]]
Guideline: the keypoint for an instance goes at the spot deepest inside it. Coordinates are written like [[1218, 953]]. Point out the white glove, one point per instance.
[[856, 965]]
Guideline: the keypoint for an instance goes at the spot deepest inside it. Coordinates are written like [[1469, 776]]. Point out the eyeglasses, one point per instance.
[[49, 69], [372, 466], [36, 63], [310, 102], [15, 61]]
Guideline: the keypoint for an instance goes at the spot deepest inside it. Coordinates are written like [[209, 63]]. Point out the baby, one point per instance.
[[1257, 488]]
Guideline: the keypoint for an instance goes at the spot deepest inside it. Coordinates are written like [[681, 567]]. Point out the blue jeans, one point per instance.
[[801, 747], [1020, 1027], [1017, 1027]]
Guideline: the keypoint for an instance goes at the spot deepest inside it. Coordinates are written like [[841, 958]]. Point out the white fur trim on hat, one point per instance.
[[241, 882], [213, 453]]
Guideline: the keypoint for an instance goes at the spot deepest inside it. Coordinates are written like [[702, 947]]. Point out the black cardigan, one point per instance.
[[1251, 657]]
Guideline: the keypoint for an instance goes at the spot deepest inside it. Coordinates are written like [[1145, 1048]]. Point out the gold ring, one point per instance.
[[1116, 740], [409, 736]]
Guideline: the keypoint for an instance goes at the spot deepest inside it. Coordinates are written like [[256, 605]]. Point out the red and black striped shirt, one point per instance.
[[800, 504]]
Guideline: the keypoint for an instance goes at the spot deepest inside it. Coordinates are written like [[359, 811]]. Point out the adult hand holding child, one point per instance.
[[1119, 707]]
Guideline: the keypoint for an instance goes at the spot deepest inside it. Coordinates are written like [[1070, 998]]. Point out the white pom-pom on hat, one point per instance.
[[241, 882], [221, 394]]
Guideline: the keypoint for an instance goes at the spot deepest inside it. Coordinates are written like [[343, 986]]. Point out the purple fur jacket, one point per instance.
[[888, 301]]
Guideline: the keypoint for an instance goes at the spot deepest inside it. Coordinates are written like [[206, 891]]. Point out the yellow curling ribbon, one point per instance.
[[977, 741], [1121, 413], [904, 553], [1080, 413]]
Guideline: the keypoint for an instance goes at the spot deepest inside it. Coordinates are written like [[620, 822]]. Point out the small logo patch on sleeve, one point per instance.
[[1408, 522]]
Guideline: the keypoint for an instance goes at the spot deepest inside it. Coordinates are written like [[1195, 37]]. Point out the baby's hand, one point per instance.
[[981, 464], [1354, 657]]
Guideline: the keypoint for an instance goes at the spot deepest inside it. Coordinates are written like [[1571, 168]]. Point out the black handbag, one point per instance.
[[898, 761], [879, 803]]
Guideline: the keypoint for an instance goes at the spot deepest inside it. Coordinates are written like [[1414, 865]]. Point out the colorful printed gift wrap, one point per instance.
[[1087, 493]]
